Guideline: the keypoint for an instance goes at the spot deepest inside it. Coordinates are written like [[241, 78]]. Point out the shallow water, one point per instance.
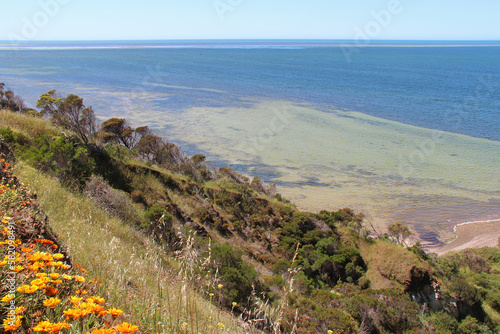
[[407, 134]]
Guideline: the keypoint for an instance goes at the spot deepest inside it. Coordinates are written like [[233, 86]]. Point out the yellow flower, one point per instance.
[[67, 277], [81, 292], [221, 325], [234, 304], [57, 281], [51, 302], [58, 256], [19, 310], [184, 325], [7, 298], [126, 328], [220, 286], [54, 275], [75, 300], [330, 331], [41, 275], [3, 263]]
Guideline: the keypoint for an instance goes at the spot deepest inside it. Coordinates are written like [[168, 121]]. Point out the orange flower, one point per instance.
[[54, 275], [74, 314], [103, 331], [51, 302], [126, 328], [10, 325], [81, 292], [27, 289], [26, 250], [48, 327], [97, 300], [114, 312], [18, 268], [50, 291], [80, 279]]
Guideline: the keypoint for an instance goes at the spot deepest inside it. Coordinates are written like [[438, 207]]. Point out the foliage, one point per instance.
[[237, 277]]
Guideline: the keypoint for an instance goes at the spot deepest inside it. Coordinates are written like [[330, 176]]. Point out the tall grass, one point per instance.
[[138, 275], [29, 126]]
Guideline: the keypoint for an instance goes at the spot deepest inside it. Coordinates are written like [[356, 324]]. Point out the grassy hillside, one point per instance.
[[182, 248]]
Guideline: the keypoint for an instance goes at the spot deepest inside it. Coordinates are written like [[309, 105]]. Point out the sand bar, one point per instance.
[[471, 235]]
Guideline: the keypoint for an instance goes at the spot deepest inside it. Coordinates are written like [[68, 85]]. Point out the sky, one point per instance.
[[250, 19]]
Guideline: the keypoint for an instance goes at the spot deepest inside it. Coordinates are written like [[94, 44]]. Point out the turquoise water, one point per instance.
[[404, 132]]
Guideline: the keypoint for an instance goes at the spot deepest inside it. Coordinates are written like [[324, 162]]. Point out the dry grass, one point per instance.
[[139, 276], [29, 126]]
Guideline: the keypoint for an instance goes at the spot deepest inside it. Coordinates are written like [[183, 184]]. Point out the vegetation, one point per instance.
[[181, 248]]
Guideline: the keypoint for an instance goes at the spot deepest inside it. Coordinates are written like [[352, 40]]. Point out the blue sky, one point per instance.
[[255, 19]]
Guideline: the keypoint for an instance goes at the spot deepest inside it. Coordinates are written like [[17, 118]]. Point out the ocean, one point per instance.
[[406, 131]]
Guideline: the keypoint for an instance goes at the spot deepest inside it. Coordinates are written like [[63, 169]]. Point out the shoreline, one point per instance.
[[476, 234]]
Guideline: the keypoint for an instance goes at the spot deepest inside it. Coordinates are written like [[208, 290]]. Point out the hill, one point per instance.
[[182, 248]]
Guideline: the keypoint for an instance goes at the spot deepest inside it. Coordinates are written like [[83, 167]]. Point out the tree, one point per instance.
[[399, 231], [69, 112], [118, 130], [49, 103], [2, 85]]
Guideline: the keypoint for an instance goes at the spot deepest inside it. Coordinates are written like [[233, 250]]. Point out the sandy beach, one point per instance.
[[471, 235]]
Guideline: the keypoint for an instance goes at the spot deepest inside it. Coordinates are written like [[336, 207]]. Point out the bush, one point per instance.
[[236, 276], [115, 202]]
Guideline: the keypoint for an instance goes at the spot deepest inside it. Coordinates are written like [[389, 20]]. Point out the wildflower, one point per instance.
[[57, 281], [184, 325], [67, 277], [330, 331], [97, 300], [48, 327], [50, 291], [40, 275], [234, 304], [75, 300], [112, 311], [19, 310], [74, 314], [81, 292], [40, 282], [54, 275], [80, 279], [126, 328], [27, 289], [51, 302], [221, 325], [3, 263], [103, 331], [26, 250], [58, 256], [18, 268], [220, 286], [7, 298], [211, 294], [9, 326]]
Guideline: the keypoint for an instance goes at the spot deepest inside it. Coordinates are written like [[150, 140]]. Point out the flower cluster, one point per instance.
[[43, 292]]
